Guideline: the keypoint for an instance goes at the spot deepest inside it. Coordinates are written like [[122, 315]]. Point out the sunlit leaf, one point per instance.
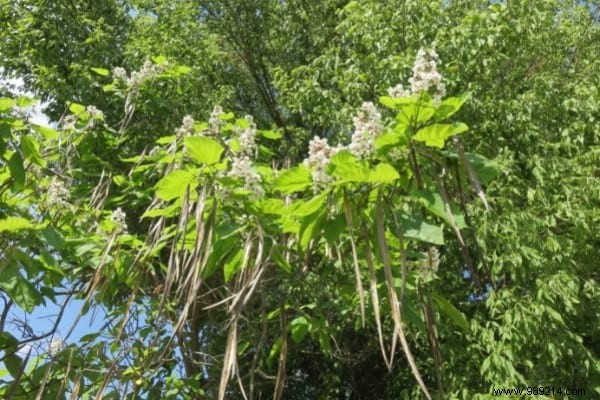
[[293, 180], [175, 184], [203, 149], [435, 135]]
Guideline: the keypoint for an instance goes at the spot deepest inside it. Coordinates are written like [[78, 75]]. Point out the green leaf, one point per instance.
[[450, 106], [15, 224], [6, 103], [415, 227], [303, 208], [204, 150], [388, 102], [452, 313], [433, 202], [270, 135], [310, 227], [175, 184], [416, 112], [233, 265], [293, 180], [183, 69], [383, 173], [25, 101], [8, 343], [101, 71], [159, 60], [280, 260], [299, 327], [46, 131], [76, 108], [14, 365], [31, 150], [346, 167], [19, 289], [17, 172], [485, 169], [166, 139], [435, 135]]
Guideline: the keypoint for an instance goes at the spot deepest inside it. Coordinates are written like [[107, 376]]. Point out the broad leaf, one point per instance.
[[435, 135], [433, 202], [15, 166], [452, 313], [175, 184], [204, 150], [6, 103], [415, 227], [45, 131], [101, 71], [451, 105], [19, 289], [14, 224], [383, 173], [299, 327], [293, 180]]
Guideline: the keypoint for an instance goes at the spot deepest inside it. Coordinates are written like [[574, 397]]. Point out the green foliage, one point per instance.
[[225, 250]]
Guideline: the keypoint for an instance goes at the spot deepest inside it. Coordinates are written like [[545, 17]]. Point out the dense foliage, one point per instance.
[[301, 200]]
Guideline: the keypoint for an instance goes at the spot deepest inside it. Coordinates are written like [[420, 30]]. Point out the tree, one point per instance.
[[441, 224]]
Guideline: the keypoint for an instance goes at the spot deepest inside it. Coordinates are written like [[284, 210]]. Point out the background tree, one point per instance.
[[525, 266]]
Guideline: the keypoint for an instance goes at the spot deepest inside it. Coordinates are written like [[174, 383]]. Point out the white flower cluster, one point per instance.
[[94, 112], [247, 137], [241, 168], [367, 126], [215, 122], [187, 125], [118, 216], [148, 71], [426, 76], [319, 154], [398, 91], [68, 122], [56, 346], [58, 195], [95, 115]]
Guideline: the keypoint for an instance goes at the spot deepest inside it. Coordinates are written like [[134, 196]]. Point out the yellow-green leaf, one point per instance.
[[204, 150], [435, 135]]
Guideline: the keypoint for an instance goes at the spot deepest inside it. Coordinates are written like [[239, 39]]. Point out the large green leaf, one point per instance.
[[175, 184], [433, 202], [303, 208], [6, 103], [204, 150], [415, 227], [17, 171], [452, 313], [14, 365], [19, 289], [299, 327], [233, 265], [15, 224], [435, 135], [31, 150], [416, 111], [450, 106], [45, 131], [310, 227], [346, 167], [383, 173], [293, 180], [101, 71], [485, 169]]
